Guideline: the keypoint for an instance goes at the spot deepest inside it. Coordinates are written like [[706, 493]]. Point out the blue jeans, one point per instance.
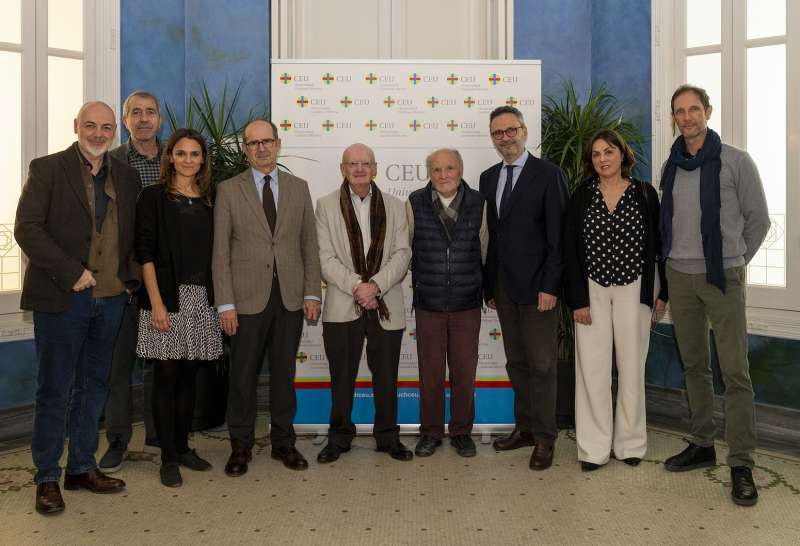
[[74, 349]]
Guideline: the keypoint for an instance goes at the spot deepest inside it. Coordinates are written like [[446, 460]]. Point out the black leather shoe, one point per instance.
[[515, 440], [95, 481], [464, 445], [632, 461], [744, 490], [397, 451], [694, 456], [291, 458], [193, 461], [237, 462], [542, 456], [49, 499], [330, 453], [170, 475], [426, 446], [586, 466]]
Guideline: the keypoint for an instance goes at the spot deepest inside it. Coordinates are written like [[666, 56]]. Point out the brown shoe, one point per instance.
[[292, 459], [237, 462], [95, 481], [542, 456], [48, 498], [515, 440]]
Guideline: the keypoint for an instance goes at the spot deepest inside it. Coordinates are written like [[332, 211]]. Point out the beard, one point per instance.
[[95, 150]]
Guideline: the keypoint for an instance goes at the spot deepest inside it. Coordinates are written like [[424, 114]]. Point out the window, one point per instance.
[[54, 55], [744, 52]]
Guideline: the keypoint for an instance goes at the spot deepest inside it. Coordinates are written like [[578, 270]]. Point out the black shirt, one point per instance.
[[194, 229], [613, 242]]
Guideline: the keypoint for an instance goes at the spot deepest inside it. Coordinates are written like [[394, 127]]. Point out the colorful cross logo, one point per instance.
[[301, 101], [346, 101], [371, 78], [452, 125], [469, 101], [327, 78], [286, 125], [413, 78], [327, 125], [301, 357], [432, 102], [286, 78], [412, 334], [511, 101], [494, 333], [452, 79], [389, 101], [371, 125], [494, 78], [414, 125]]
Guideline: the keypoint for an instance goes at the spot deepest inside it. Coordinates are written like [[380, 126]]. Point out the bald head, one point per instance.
[[359, 167], [95, 126]]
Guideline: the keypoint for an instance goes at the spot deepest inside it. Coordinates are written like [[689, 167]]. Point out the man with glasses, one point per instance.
[[364, 251], [266, 279], [141, 115], [526, 200]]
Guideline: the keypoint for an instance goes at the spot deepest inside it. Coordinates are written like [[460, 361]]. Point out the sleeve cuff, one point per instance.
[[315, 298], [226, 307]]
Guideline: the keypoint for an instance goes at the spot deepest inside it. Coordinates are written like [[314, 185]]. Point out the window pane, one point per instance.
[[766, 143], [10, 167], [64, 98], [703, 22], [10, 22], [706, 71], [65, 24], [766, 18]]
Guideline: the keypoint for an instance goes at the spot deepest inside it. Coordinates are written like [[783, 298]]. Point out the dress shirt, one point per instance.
[[501, 182]]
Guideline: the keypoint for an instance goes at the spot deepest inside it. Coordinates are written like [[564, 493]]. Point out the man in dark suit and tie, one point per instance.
[[526, 199], [266, 279]]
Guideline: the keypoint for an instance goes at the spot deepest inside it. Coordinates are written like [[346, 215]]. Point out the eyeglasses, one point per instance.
[[256, 144], [356, 164], [511, 132]]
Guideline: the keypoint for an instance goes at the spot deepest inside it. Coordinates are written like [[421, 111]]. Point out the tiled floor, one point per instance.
[[368, 498]]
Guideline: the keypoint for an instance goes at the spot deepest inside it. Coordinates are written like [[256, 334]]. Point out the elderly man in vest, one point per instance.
[[447, 227]]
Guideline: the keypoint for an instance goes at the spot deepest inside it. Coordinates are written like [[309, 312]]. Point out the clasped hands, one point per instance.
[[366, 294]]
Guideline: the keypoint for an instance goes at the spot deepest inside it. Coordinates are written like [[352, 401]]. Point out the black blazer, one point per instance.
[[525, 246], [576, 283], [158, 241], [54, 228]]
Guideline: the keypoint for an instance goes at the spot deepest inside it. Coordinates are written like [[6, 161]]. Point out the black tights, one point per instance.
[[173, 405]]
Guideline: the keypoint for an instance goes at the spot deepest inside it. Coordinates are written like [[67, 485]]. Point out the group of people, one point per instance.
[[133, 251]]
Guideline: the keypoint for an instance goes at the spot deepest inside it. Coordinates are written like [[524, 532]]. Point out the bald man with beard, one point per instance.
[[75, 222]]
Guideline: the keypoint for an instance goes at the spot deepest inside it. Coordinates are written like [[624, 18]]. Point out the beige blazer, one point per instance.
[[245, 248], [337, 262]]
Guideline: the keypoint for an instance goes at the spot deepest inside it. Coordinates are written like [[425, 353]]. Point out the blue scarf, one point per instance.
[[710, 165]]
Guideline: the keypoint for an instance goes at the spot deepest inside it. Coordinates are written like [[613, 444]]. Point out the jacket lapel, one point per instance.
[[527, 172], [284, 187], [251, 196], [72, 168]]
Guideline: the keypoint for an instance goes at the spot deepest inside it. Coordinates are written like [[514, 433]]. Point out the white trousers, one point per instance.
[[619, 321]]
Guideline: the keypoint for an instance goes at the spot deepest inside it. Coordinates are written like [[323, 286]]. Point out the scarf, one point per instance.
[[366, 268], [708, 159], [448, 215]]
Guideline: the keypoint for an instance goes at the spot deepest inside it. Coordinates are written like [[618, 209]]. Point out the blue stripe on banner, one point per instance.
[[492, 406]]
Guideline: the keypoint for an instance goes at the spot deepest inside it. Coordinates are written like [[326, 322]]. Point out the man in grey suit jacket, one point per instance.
[[266, 278], [364, 252]]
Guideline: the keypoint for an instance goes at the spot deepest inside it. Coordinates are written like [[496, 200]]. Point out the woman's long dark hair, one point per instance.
[[616, 140], [203, 176]]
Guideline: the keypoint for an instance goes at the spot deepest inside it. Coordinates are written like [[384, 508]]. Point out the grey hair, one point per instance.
[[142, 94], [452, 151]]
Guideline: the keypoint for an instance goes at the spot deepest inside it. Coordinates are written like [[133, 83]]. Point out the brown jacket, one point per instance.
[[54, 228], [245, 248]]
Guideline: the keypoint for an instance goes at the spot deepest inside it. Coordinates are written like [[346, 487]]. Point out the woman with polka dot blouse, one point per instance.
[[613, 273]]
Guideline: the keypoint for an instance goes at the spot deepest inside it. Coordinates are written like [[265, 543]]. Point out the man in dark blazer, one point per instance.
[[526, 200], [266, 279], [75, 222]]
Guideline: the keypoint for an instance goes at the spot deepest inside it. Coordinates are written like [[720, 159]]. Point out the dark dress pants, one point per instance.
[[344, 342], [530, 342], [274, 333]]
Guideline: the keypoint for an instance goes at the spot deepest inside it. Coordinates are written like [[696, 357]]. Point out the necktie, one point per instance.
[[268, 202], [506, 190]]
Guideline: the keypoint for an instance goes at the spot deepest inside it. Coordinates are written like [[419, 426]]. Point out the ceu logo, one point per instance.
[[301, 357], [301, 101], [371, 125], [328, 78], [469, 101], [452, 125], [495, 334], [346, 101], [285, 125], [494, 78], [286, 78], [412, 334], [414, 79], [527, 102], [414, 125], [432, 102], [511, 101], [327, 125], [452, 79], [389, 101], [371, 78]]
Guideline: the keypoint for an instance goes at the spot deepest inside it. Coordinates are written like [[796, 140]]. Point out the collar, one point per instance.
[[86, 163], [519, 162], [354, 195], [132, 151], [258, 176]]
